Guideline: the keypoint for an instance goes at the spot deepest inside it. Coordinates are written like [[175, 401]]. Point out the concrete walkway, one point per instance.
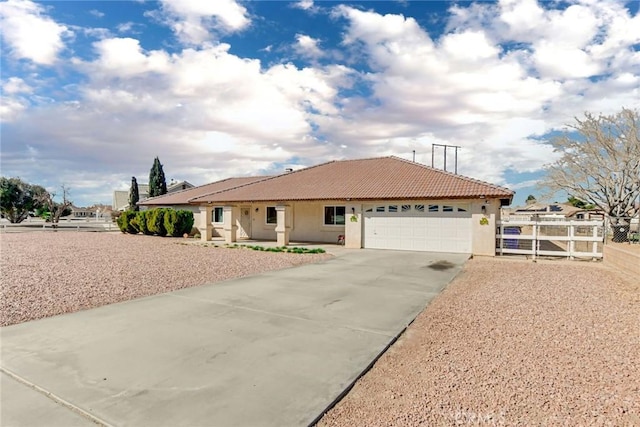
[[270, 350]]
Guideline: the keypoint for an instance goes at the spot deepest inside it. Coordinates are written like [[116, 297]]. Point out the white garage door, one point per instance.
[[418, 227]]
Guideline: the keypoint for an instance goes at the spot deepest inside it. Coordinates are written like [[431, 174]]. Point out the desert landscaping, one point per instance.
[[511, 342], [50, 273], [508, 342]]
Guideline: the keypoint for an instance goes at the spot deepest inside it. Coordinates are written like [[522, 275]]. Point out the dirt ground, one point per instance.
[[511, 342]]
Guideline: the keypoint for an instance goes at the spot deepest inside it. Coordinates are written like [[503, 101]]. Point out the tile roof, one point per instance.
[[183, 197], [364, 179]]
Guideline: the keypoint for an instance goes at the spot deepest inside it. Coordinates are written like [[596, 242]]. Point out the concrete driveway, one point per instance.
[[271, 350]]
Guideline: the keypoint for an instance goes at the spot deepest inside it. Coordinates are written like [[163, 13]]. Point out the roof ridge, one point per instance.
[[464, 177], [199, 186], [262, 178]]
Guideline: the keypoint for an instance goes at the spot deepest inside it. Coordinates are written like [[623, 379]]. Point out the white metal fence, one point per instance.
[[571, 239]]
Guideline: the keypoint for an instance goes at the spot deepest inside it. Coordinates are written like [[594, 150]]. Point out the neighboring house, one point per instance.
[[91, 212], [379, 203], [77, 212], [121, 197], [553, 211]]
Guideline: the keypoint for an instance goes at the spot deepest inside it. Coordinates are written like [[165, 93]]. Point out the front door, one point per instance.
[[244, 232]]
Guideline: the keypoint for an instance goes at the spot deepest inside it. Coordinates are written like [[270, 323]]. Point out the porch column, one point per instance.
[[483, 226], [353, 226], [283, 227], [230, 217], [204, 223]]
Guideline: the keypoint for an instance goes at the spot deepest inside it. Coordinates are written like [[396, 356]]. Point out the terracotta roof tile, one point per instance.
[[365, 179], [182, 197]]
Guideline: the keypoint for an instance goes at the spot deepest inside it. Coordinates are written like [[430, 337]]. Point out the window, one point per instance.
[[369, 210], [334, 215], [406, 208], [218, 214], [272, 215], [380, 208], [419, 208], [461, 210], [433, 208], [446, 208], [393, 208]]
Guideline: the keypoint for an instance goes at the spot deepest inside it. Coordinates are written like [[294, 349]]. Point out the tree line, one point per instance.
[[20, 199]]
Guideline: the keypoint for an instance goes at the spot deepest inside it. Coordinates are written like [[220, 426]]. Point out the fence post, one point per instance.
[[595, 242], [572, 243], [534, 241]]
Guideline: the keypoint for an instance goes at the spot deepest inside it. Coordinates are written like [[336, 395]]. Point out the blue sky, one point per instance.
[[92, 91]]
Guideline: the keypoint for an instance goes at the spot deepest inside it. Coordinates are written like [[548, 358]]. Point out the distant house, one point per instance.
[[95, 211], [377, 203], [121, 197], [552, 211]]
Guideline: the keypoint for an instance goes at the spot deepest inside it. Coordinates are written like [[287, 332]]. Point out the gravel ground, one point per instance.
[[511, 342], [47, 273]]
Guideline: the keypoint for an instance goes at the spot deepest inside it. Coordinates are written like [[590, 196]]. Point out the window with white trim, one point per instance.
[[272, 215], [334, 215], [217, 215]]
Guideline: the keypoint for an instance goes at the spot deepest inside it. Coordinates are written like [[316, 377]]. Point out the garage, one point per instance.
[[436, 227]]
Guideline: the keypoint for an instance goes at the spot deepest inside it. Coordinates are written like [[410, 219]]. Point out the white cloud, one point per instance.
[[96, 13], [500, 78], [217, 114], [304, 4], [31, 34], [15, 85], [124, 57], [504, 76], [194, 20], [307, 46], [13, 101]]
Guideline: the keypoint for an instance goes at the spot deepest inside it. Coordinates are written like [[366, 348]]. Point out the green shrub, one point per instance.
[[185, 221], [140, 222], [155, 221], [170, 223], [125, 222]]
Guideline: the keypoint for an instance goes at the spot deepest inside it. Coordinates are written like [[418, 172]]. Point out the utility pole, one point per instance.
[[446, 147]]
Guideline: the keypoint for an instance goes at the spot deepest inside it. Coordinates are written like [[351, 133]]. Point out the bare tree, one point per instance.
[[600, 163], [56, 209]]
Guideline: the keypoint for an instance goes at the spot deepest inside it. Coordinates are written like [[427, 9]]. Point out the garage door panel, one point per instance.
[[418, 230]]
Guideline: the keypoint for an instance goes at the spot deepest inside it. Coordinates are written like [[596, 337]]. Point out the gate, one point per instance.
[[570, 239]]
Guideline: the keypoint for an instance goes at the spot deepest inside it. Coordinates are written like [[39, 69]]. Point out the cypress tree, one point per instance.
[[157, 181], [134, 195]]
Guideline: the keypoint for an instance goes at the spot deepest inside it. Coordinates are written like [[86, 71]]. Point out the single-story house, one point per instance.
[[380, 203]]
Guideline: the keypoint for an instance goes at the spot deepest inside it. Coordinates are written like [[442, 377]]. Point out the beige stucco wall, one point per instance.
[[307, 221], [484, 226]]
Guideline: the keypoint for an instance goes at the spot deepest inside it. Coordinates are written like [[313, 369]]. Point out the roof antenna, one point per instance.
[[446, 147], [414, 156]]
